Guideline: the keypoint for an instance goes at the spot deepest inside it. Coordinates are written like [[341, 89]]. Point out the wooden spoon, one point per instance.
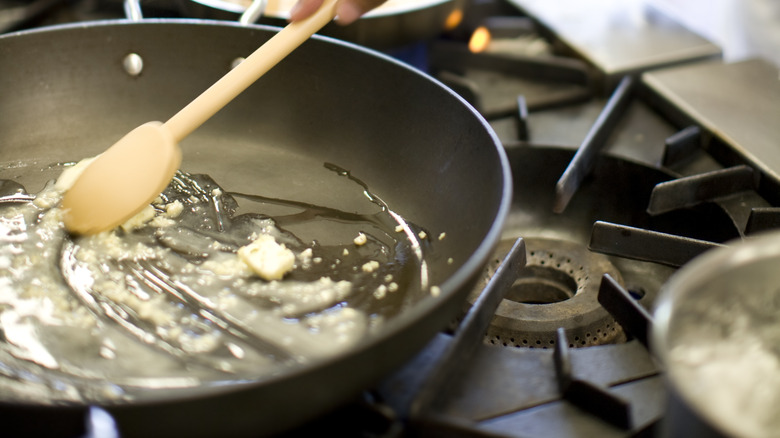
[[120, 182]]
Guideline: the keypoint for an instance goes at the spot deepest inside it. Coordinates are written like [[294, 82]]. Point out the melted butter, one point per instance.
[[165, 301]]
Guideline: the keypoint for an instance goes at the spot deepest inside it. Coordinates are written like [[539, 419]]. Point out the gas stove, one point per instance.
[[634, 148]]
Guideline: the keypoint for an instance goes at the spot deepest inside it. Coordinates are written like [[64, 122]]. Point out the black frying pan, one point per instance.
[[66, 96]]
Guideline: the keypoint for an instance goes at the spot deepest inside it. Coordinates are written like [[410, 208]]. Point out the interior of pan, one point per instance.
[[407, 139], [410, 140]]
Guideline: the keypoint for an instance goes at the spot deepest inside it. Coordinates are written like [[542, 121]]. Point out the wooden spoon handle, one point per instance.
[[246, 73]]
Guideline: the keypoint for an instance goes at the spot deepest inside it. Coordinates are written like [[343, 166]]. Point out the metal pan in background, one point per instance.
[[395, 24], [414, 142]]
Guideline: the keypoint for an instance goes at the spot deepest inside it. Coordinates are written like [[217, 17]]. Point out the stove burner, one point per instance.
[[558, 287]]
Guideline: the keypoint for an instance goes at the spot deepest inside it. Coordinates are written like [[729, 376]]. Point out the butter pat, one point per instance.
[[267, 258]]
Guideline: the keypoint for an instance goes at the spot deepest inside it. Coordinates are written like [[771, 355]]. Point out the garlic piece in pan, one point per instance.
[[267, 258]]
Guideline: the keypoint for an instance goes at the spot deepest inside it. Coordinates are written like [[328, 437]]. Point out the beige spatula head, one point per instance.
[[132, 172], [122, 180]]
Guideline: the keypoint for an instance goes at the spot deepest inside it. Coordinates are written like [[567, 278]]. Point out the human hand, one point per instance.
[[347, 11]]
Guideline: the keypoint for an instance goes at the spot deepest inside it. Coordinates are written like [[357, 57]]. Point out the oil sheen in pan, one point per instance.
[[165, 302]]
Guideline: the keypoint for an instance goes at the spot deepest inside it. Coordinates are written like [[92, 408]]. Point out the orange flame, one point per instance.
[[479, 39], [454, 19]]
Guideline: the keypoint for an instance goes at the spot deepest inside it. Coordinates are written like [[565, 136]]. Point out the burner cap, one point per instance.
[[558, 287]]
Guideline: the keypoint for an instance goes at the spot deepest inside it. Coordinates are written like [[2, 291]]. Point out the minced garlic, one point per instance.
[[371, 266], [361, 239]]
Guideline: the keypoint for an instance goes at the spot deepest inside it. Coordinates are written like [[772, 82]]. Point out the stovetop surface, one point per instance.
[[620, 37]]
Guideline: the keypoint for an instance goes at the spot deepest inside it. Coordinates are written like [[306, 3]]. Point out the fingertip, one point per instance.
[[347, 12]]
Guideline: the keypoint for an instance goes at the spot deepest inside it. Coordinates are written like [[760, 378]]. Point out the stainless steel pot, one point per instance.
[[717, 332]]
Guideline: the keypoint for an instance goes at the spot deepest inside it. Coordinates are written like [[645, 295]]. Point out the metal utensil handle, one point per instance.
[[253, 12], [133, 10], [246, 73]]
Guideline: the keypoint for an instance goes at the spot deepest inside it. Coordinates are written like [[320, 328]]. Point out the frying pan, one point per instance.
[[395, 24], [427, 153]]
